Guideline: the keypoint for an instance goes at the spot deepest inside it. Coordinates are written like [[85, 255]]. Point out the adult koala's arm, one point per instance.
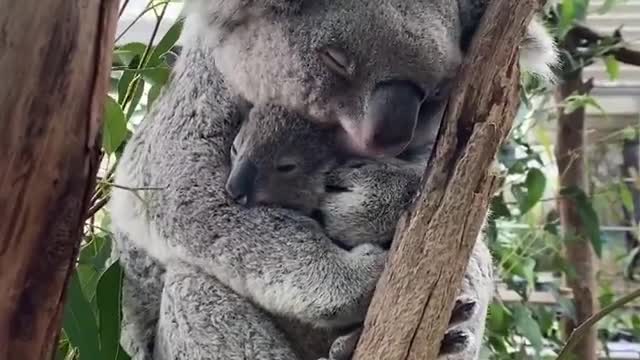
[[279, 259]]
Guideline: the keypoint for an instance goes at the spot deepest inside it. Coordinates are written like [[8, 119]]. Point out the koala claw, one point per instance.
[[343, 347], [455, 341], [463, 310]]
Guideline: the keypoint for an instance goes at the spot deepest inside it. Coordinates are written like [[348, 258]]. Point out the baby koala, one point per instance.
[[279, 158]]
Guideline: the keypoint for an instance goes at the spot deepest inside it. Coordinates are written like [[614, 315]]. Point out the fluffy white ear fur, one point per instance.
[[538, 52]]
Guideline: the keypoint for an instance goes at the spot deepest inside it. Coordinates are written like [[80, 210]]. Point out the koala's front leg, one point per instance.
[[279, 259]]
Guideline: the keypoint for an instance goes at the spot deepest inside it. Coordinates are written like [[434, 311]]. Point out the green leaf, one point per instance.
[[79, 322], [588, 216], [568, 14], [626, 198], [128, 52], [88, 277], [115, 126], [165, 44], [613, 67], [535, 183], [581, 9], [128, 76], [575, 102], [499, 207], [153, 94], [108, 295], [525, 268], [499, 319], [135, 99], [156, 76], [63, 347], [527, 326]]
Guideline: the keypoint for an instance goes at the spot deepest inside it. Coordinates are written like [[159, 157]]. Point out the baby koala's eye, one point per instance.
[[336, 60], [234, 150], [286, 168]]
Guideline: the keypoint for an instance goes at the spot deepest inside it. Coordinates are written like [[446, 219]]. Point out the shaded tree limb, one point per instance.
[[432, 246], [585, 328], [55, 62], [620, 53]]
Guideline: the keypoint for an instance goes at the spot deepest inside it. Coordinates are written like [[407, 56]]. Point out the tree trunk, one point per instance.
[[578, 249], [55, 57], [631, 169], [414, 298]]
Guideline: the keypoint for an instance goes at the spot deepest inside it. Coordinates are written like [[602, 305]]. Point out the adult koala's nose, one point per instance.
[[241, 182], [391, 117]]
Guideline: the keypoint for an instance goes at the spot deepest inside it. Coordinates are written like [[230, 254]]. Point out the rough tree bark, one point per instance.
[[411, 306], [578, 249], [55, 57]]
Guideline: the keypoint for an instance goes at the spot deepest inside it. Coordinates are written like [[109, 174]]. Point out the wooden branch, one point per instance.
[[620, 53], [414, 298], [570, 156], [54, 65]]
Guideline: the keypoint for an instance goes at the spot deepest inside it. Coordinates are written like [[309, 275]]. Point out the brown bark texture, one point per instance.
[[578, 250], [55, 58], [410, 308]]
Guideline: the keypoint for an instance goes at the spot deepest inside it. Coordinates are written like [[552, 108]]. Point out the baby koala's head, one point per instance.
[[279, 158]]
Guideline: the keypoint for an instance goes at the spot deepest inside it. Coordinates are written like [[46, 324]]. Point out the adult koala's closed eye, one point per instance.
[[380, 69]]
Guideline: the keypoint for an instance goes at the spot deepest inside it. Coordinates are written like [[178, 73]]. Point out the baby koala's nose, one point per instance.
[[241, 182]]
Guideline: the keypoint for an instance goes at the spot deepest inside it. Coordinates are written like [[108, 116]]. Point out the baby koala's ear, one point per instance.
[[227, 13]]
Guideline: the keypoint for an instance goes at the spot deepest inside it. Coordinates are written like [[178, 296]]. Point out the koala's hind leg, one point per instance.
[[202, 319], [141, 290]]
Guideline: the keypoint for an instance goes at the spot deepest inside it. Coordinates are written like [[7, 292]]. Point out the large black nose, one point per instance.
[[241, 182], [392, 114]]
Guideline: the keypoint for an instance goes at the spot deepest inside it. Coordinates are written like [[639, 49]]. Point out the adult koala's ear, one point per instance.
[[223, 13], [471, 12], [538, 52]]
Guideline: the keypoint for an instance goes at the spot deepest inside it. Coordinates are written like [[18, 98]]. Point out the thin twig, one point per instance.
[[124, 6], [96, 207], [583, 328], [145, 57], [137, 18]]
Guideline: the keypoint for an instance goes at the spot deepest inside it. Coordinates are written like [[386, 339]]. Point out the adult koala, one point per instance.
[[378, 69]]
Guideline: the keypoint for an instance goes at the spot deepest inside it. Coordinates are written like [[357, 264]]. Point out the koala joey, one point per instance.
[[279, 158]]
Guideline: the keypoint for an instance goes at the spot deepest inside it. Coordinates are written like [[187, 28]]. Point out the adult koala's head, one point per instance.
[[379, 69]]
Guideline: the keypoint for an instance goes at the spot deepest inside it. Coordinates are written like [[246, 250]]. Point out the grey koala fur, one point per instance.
[[280, 159], [208, 250]]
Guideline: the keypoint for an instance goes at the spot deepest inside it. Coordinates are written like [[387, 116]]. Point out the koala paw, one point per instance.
[[463, 310], [343, 347], [455, 341], [368, 260], [458, 340]]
